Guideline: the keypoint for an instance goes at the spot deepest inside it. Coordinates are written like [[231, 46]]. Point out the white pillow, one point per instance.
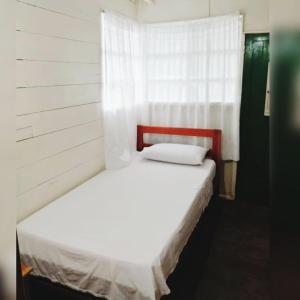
[[176, 153]]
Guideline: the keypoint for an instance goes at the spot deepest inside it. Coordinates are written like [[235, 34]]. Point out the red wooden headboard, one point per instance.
[[215, 134]]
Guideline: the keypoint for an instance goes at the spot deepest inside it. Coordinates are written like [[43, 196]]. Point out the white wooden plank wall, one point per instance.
[[58, 97]]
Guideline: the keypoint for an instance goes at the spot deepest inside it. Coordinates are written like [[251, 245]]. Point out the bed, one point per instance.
[[119, 235]]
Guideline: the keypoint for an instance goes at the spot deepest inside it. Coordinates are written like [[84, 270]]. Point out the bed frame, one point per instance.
[[215, 134], [42, 288]]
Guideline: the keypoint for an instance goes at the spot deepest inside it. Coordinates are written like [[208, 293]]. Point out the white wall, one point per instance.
[[284, 14], [256, 12], [58, 96], [7, 145], [7, 119]]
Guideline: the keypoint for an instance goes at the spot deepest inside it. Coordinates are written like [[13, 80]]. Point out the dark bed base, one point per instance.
[[43, 289], [190, 264]]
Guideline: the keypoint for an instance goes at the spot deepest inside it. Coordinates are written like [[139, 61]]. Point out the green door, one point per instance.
[[253, 167]]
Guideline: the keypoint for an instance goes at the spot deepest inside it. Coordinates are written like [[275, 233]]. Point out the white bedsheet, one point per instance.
[[120, 234]]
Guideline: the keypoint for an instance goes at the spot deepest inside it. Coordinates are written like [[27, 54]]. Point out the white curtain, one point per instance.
[[122, 87], [194, 75], [184, 74]]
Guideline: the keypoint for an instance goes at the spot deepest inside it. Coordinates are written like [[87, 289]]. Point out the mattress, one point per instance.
[[120, 234]]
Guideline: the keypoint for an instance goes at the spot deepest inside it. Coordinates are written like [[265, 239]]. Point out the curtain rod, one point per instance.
[[209, 16], [241, 15]]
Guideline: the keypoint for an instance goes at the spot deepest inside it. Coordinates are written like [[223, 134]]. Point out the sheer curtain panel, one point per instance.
[[184, 74], [194, 77], [122, 87]]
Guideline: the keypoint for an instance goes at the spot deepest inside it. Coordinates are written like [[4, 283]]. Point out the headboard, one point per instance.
[[214, 134]]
